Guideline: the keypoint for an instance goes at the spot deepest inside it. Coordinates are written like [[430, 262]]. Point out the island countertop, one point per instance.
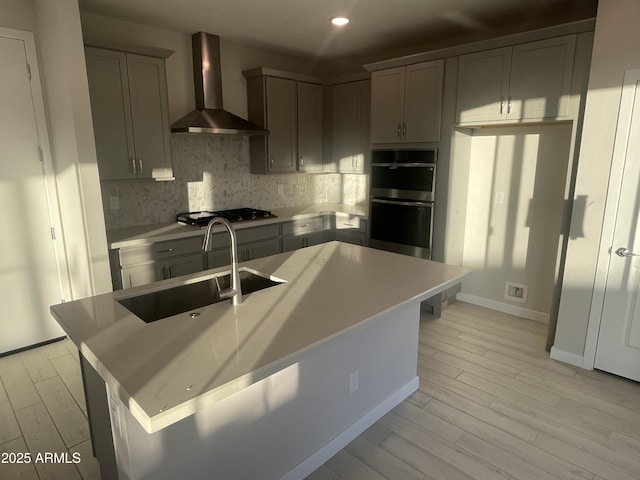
[[167, 370]]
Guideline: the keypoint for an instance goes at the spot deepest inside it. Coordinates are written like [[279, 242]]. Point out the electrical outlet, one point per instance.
[[354, 381], [515, 292], [114, 202], [499, 198]]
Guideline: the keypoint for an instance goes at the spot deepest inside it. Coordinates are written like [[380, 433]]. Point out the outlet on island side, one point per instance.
[[114, 202], [354, 381]]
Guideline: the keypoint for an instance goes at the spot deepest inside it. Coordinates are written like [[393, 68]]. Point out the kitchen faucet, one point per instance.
[[235, 292]]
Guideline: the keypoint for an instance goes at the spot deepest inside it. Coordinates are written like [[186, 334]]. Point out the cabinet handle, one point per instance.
[[348, 224], [399, 131], [404, 130], [140, 165], [501, 102], [164, 273], [304, 225], [509, 104], [133, 165], [167, 250], [271, 160], [301, 161], [171, 272]]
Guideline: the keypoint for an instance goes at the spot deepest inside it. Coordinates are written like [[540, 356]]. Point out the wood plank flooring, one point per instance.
[[491, 406]]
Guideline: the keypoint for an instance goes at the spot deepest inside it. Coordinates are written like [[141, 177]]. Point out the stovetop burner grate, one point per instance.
[[202, 218]]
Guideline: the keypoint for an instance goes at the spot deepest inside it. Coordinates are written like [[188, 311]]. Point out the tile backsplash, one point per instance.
[[212, 173]]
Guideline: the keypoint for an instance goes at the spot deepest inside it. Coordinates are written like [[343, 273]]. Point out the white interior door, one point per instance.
[[29, 276], [618, 346]]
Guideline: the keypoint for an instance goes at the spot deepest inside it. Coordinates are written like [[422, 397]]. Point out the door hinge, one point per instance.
[[28, 71], [62, 300], [53, 233]]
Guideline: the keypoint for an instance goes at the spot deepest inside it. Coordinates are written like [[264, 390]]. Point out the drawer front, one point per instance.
[[351, 224], [257, 234], [303, 227], [159, 251]]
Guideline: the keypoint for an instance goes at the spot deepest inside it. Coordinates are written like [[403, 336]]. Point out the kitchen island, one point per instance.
[[271, 388]]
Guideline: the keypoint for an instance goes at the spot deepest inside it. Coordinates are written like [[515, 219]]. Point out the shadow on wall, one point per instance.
[[514, 211]]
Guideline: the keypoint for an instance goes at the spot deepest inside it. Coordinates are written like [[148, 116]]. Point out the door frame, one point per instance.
[[630, 90], [48, 173]]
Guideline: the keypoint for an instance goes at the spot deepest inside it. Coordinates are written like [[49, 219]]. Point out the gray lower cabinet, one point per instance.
[[350, 229], [253, 243], [304, 233]]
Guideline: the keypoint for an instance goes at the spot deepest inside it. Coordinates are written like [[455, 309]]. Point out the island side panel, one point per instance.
[[283, 425]]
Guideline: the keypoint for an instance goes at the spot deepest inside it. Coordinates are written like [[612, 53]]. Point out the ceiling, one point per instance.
[[301, 27]]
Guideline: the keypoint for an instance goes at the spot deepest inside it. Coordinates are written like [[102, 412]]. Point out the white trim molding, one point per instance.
[[503, 307], [568, 357]]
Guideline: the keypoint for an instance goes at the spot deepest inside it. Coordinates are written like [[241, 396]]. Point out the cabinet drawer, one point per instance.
[[304, 226], [256, 234], [159, 250], [351, 224]]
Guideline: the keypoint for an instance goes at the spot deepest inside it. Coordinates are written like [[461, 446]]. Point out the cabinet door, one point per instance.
[[423, 102], [292, 243], [310, 127], [344, 126], [483, 80], [184, 265], [150, 116], [281, 123], [314, 239], [540, 82], [220, 257], [111, 113], [363, 130], [387, 105], [143, 274], [262, 249]]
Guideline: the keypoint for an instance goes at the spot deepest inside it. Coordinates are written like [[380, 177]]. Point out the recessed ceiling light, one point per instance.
[[339, 21]]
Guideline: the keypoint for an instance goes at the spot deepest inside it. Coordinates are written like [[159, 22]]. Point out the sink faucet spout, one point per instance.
[[236, 292]]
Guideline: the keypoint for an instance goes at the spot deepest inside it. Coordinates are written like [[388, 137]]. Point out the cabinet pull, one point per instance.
[[271, 160], [348, 224], [304, 225], [509, 104], [301, 161], [164, 273], [501, 102], [133, 165], [140, 165], [404, 130], [399, 131], [167, 250], [171, 273]]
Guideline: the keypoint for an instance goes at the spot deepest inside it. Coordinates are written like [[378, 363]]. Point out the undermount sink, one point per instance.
[[165, 303]]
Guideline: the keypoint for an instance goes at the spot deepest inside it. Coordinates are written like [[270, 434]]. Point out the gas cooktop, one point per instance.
[[202, 218]]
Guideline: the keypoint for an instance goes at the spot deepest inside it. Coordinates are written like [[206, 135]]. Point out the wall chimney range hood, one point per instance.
[[209, 116]]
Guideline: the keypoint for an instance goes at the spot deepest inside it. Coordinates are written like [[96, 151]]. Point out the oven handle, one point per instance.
[[403, 203]]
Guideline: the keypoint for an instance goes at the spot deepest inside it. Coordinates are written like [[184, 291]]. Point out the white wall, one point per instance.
[[615, 50], [514, 212], [56, 27]]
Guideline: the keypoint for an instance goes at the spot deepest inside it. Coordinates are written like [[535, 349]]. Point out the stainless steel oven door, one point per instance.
[[410, 181], [402, 226]]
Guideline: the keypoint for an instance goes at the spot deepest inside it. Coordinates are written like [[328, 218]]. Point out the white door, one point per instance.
[[618, 346], [29, 277]]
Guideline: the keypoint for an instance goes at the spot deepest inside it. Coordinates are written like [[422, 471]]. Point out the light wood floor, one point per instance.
[[491, 406]]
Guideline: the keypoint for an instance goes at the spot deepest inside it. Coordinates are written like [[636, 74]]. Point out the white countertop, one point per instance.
[[145, 234], [169, 369]]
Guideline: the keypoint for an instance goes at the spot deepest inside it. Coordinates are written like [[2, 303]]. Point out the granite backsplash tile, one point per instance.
[[213, 173]]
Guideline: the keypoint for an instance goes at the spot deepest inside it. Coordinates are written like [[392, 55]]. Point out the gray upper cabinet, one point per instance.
[[350, 119], [292, 111], [128, 94], [531, 81], [310, 127], [406, 103]]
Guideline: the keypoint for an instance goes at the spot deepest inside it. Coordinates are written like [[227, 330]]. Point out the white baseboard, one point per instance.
[[566, 357], [304, 469], [503, 307]]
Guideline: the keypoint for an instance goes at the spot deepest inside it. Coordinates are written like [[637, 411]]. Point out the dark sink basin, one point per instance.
[[185, 298]]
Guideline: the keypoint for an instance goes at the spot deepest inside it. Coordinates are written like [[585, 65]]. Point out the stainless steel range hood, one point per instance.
[[209, 116]]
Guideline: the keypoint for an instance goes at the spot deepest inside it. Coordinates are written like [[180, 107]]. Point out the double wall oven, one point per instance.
[[402, 200]]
